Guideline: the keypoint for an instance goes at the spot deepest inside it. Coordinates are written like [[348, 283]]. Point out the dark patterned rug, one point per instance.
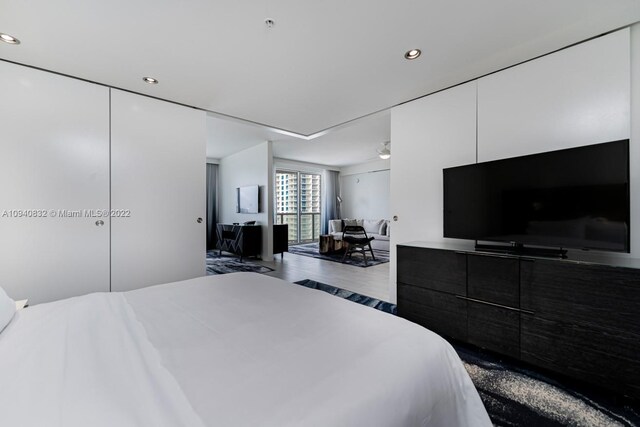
[[516, 395], [231, 264], [351, 296], [312, 250]]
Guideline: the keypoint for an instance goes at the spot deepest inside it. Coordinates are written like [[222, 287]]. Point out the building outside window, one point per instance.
[[298, 204]]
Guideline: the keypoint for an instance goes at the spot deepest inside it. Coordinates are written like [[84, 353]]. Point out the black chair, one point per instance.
[[356, 240]]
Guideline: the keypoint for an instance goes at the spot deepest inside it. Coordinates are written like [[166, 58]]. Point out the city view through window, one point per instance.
[[298, 204]]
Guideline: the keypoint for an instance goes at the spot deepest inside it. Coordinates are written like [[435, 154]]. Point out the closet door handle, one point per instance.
[[199, 220]]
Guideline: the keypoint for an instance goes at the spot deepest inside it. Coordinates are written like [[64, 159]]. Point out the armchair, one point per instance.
[[356, 240]]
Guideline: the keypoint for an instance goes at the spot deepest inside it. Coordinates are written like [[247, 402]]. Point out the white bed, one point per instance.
[[239, 349]]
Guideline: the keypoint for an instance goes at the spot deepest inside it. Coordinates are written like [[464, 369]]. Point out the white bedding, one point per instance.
[[239, 349]]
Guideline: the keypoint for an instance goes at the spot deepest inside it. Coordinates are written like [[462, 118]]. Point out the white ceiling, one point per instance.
[[322, 64], [347, 145]]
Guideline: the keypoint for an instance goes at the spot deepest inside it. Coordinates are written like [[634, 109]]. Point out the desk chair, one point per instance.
[[356, 240]]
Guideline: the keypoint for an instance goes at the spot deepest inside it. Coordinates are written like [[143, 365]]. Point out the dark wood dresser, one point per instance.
[[576, 318]]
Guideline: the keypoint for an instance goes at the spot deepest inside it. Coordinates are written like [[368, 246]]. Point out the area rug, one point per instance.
[[312, 250], [224, 264], [351, 296], [516, 395]]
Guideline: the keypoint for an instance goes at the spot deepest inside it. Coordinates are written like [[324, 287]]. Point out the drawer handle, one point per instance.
[[493, 304]]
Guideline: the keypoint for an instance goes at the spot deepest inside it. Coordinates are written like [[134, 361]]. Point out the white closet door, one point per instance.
[[158, 164], [427, 135], [54, 157]]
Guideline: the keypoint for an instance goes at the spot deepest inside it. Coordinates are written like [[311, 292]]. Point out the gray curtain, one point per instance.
[[330, 206], [212, 204]]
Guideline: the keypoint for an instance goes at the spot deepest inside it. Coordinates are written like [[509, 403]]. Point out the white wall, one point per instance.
[[577, 96], [586, 94], [374, 165], [366, 195], [252, 166]]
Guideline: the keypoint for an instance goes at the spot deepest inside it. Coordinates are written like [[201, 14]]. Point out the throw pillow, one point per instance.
[[383, 228], [372, 225], [335, 225]]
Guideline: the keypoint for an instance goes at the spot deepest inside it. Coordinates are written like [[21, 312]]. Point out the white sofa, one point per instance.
[[379, 229]]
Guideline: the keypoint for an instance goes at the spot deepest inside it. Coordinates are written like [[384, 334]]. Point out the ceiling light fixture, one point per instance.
[[384, 152], [150, 80], [9, 39], [412, 54]]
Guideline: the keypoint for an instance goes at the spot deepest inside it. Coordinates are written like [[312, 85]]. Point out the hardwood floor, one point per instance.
[[370, 281]]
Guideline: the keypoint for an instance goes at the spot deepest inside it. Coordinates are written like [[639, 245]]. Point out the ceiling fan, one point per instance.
[[384, 151]]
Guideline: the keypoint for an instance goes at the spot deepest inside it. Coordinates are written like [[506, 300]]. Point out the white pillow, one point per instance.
[[372, 225], [335, 225], [7, 309]]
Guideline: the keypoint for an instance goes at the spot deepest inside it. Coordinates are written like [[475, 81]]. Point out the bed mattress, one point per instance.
[[239, 349]]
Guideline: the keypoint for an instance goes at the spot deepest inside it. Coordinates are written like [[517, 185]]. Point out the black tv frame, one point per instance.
[[518, 248]]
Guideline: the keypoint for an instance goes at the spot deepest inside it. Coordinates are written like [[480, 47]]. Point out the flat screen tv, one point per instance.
[[248, 199], [573, 198]]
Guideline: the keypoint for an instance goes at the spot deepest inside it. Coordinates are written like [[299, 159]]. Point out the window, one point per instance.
[[300, 206]]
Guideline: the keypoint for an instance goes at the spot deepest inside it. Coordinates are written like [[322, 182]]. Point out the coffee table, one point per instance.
[[328, 244]]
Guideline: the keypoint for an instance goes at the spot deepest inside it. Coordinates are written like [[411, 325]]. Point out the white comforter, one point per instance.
[[234, 350]]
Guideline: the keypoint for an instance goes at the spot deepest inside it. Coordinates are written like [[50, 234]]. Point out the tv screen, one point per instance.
[[248, 199], [573, 198]]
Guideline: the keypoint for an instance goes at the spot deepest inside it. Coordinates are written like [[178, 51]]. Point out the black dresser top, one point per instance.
[[573, 256]]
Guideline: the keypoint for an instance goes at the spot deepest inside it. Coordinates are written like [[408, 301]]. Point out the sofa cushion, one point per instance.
[[372, 225], [381, 237]]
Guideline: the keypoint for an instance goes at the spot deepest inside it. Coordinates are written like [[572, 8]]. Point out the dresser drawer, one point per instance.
[[494, 328], [439, 312], [583, 294], [438, 270], [596, 355], [494, 279]]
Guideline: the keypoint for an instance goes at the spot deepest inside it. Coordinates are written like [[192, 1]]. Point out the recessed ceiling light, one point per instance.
[[9, 39], [412, 54], [150, 80]]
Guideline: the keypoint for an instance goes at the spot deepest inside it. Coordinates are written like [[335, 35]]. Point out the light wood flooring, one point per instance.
[[370, 281]]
